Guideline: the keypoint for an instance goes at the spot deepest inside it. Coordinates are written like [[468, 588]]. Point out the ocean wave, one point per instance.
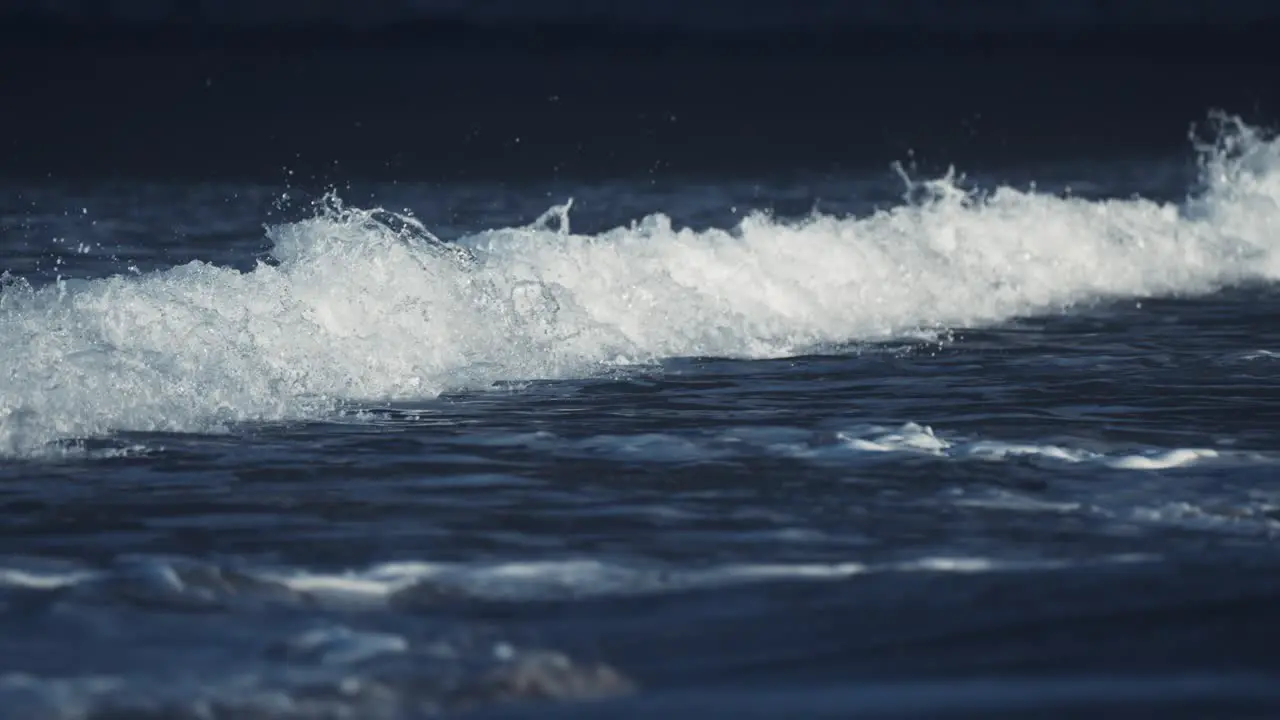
[[360, 306], [179, 583], [294, 643]]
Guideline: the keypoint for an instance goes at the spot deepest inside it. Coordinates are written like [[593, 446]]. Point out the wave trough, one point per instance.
[[363, 305]]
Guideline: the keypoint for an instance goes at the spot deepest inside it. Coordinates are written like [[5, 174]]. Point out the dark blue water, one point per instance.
[[817, 447]]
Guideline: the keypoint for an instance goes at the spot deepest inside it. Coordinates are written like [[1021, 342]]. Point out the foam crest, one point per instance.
[[912, 438], [368, 306], [188, 584]]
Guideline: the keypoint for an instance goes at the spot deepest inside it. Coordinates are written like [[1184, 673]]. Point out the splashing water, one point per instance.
[[363, 305]]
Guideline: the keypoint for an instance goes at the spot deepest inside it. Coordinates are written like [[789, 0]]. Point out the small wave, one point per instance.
[[915, 438], [1255, 355], [182, 583], [858, 444]]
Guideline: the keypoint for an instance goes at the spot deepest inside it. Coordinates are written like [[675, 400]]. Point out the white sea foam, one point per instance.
[[373, 587], [356, 310], [914, 438], [533, 580], [865, 442], [46, 580]]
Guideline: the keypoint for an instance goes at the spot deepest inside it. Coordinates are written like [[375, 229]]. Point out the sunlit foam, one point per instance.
[[187, 583], [912, 438], [366, 305]]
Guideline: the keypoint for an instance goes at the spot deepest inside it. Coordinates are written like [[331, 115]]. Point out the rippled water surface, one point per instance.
[[804, 447]]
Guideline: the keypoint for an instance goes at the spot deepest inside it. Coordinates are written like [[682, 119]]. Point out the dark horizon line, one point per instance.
[[604, 38]]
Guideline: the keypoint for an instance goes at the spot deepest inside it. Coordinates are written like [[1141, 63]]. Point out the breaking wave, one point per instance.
[[359, 305]]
